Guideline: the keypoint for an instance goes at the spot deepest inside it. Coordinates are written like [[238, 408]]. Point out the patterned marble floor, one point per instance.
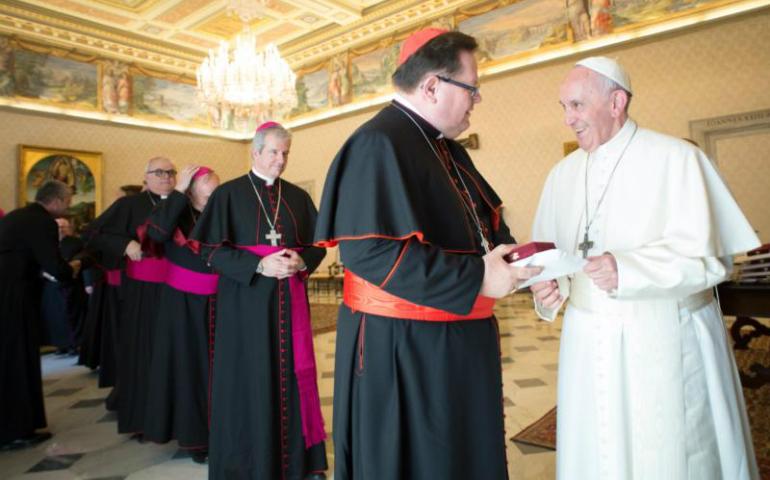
[[85, 444]]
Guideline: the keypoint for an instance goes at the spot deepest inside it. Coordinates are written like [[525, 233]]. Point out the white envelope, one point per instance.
[[557, 263]]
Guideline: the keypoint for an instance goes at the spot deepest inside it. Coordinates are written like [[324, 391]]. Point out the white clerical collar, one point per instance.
[[617, 143], [268, 181], [403, 101], [163, 197]]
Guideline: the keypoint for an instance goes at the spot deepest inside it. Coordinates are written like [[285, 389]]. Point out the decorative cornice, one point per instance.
[[397, 16], [111, 48]]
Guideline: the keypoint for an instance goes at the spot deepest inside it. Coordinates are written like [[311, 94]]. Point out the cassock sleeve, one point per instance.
[[212, 237], [108, 230], [654, 271], [420, 273], [544, 230], [44, 240], [165, 215], [312, 255], [502, 236]]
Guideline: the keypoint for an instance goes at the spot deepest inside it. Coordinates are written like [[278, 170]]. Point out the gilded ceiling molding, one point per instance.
[[31, 20], [22, 28], [171, 77], [394, 18], [50, 50]]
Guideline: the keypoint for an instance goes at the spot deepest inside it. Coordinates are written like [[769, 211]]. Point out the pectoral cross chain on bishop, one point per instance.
[[586, 245], [274, 237]]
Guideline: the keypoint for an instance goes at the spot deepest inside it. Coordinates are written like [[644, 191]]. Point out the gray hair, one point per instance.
[[258, 142], [155, 159], [609, 85], [51, 190]]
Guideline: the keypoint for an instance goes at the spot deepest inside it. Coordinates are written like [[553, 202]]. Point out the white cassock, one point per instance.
[[648, 386]]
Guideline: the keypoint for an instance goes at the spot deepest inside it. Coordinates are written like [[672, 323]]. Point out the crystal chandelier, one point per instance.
[[248, 82]]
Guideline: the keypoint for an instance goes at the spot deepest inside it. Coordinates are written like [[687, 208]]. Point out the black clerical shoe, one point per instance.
[[199, 456], [27, 441], [316, 476]]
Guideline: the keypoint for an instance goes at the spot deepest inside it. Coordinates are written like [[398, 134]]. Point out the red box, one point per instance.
[[527, 250]]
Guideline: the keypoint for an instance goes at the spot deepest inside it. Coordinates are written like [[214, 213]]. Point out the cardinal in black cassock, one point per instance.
[[256, 231], [177, 403], [121, 230], [417, 385], [29, 244]]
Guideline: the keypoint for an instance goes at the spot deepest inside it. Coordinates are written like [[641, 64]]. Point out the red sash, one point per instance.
[[362, 296]]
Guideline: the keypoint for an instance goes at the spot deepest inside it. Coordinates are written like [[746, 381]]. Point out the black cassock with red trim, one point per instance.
[[414, 399]]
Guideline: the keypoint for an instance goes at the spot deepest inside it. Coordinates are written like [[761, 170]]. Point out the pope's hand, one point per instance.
[[603, 270], [282, 264], [134, 250], [500, 277], [184, 177], [547, 293]]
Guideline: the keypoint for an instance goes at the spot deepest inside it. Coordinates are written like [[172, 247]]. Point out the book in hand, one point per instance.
[[527, 250]]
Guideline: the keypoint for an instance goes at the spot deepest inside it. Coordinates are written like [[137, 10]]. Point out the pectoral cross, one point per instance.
[[273, 236], [586, 245]]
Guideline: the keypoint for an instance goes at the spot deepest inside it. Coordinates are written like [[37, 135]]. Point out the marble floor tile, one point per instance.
[[86, 434]]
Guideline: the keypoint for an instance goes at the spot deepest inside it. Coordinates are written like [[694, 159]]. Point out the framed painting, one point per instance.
[[80, 170]]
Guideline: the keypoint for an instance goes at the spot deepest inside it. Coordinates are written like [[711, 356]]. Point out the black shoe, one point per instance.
[[139, 437], [316, 476], [25, 442], [200, 456]]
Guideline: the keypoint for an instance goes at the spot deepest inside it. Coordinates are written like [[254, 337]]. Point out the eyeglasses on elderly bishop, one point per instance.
[[163, 173], [474, 90]]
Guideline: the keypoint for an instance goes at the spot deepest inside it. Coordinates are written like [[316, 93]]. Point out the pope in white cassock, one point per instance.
[[648, 387]]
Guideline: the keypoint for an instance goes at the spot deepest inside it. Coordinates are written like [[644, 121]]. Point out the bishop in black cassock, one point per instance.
[[29, 244], [417, 385], [177, 403], [265, 416], [121, 230]]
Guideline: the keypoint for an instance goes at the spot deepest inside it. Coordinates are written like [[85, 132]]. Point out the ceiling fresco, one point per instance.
[[174, 35]]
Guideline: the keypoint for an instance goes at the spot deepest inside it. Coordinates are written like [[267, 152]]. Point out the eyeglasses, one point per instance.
[[474, 90], [163, 173]]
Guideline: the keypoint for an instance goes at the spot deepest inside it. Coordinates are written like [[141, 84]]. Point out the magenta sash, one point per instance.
[[113, 277], [304, 357], [149, 269], [189, 281]]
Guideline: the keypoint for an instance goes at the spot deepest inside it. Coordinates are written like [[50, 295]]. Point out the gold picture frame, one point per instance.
[[81, 170]]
